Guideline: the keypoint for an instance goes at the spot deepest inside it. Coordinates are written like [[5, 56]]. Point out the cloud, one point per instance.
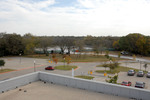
[[95, 17]]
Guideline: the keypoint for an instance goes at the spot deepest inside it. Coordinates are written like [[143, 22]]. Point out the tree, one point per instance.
[[112, 79], [116, 45], [79, 44], [30, 43], [89, 40], [97, 45], [145, 66], [2, 45], [107, 54], [70, 43], [44, 43], [119, 54], [135, 43], [61, 42], [13, 44], [105, 66], [2, 63], [68, 59]]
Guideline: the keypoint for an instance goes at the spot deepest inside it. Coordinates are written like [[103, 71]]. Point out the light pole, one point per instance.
[[20, 57], [64, 62], [126, 63], [34, 66], [140, 65]]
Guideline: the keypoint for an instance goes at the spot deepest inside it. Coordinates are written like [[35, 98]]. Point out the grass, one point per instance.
[[66, 67], [117, 70], [76, 57], [85, 77], [5, 70]]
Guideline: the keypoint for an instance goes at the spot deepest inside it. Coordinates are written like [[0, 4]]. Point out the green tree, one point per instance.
[[112, 79], [13, 44], [2, 63], [30, 43], [116, 45], [97, 45], [135, 43]]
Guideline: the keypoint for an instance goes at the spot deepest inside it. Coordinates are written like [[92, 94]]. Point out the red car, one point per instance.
[[126, 83], [49, 68]]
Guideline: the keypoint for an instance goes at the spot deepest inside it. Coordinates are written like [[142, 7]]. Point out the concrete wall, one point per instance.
[[113, 89], [18, 81]]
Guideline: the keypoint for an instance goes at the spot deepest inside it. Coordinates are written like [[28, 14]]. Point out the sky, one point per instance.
[[75, 17]]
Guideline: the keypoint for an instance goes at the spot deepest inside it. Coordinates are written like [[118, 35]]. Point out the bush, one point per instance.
[[112, 79], [2, 63]]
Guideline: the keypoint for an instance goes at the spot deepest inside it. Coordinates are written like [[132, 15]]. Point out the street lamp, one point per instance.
[[140, 63], [20, 57], [64, 61], [34, 66]]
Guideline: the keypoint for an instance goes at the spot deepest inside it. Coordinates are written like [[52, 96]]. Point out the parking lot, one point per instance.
[[124, 77]]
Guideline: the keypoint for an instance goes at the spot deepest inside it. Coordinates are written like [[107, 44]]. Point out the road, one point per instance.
[[27, 66]]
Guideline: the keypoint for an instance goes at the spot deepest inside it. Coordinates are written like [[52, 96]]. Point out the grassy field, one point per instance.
[[85, 77], [76, 58], [117, 70], [66, 67], [5, 70]]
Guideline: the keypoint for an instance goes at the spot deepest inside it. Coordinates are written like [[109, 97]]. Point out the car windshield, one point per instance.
[[139, 83], [140, 71], [131, 71], [124, 82]]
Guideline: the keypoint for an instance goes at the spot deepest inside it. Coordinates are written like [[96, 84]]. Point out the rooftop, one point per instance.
[[44, 91]]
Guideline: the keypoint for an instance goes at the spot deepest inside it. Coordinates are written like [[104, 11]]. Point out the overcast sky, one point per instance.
[[75, 17]]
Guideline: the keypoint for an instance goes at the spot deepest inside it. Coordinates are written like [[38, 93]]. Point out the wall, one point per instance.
[[113, 89], [102, 87], [18, 81]]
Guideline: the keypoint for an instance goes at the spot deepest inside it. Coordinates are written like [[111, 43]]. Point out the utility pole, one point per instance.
[[20, 58], [34, 66]]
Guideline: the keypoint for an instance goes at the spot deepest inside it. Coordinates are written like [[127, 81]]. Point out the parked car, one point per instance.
[[49, 68], [131, 72], [140, 74], [124, 53], [126, 83], [140, 84], [148, 74]]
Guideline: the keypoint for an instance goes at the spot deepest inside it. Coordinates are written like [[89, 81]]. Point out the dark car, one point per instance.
[[131, 72], [140, 84], [140, 74], [126, 83], [148, 74], [49, 68]]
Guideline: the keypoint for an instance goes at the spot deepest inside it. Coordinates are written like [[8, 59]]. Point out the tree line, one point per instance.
[[134, 43], [15, 44]]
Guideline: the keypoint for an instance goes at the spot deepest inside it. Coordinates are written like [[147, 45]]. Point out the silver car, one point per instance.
[[140, 74], [148, 74], [131, 72]]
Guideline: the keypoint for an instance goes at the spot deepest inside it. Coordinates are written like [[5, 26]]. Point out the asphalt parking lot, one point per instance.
[[124, 77]]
